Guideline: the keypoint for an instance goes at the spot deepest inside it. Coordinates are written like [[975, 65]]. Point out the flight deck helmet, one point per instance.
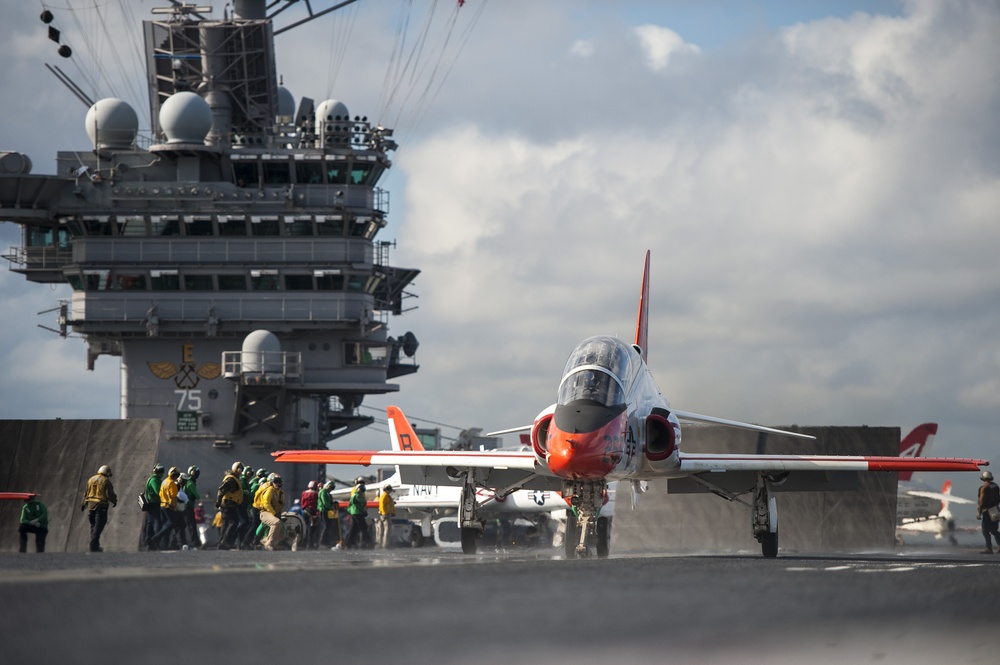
[[236, 467], [276, 480], [158, 470], [262, 473], [313, 485], [174, 472], [194, 471], [105, 470], [987, 476]]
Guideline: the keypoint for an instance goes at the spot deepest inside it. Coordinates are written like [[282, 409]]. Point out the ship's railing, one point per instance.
[[92, 308], [262, 368], [37, 258], [306, 250]]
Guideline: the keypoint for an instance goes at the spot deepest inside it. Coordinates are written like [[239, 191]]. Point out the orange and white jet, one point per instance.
[[611, 422]]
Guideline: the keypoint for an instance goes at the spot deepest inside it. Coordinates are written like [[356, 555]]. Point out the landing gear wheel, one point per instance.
[[572, 536], [603, 537], [469, 540], [769, 545]]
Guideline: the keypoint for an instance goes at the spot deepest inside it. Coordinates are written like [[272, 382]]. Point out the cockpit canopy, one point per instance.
[[597, 371]]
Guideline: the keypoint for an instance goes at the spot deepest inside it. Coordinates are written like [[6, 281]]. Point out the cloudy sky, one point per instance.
[[819, 185]]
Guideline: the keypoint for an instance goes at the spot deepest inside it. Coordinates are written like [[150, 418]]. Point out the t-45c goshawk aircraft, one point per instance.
[[611, 422]]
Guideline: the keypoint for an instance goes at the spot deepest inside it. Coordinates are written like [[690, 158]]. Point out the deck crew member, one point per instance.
[[171, 518], [989, 497], [357, 508], [329, 516], [271, 504], [310, 508], [100, 494], [386, 511], [34, 519], [228, 500], [190, 487], [151, 521]]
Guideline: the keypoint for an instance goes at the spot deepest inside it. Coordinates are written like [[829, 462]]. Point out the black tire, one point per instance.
[[469, 536], [416, 537], [603, 537], [769, 545], [572, 536]]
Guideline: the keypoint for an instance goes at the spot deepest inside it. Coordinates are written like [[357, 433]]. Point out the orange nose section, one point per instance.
[[587, 454]]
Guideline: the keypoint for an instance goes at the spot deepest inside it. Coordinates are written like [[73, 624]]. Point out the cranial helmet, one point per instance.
[[313, 485], [194, 471], [276, 480], [174, 472], [236, 467], [987, 476], [105, 470], [158, 470]]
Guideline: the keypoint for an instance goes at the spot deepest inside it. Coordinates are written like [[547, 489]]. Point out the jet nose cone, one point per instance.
[[584, 454]]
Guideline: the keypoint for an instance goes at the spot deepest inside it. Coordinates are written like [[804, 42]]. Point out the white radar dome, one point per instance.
[[185, 118], [286, 102], [261, 352], [112, 124], [330, 112]]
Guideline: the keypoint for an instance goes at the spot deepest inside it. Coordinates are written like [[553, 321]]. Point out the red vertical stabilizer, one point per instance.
[[642, 324], [915, 444]]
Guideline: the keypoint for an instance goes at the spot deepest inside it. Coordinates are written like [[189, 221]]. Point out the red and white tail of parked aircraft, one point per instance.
[[424, 498], [916, 516], [611, 422], [915, 444], [919, 508]]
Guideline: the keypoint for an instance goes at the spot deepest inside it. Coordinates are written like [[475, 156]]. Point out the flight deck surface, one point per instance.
[[926, 605]]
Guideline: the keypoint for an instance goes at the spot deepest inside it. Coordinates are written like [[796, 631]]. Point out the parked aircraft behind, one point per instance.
[[428, 502], [425, 497], [920, 509], [939, 523], [611, 422]]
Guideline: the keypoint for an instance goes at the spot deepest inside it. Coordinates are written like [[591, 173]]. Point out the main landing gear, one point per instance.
[[765, 519], [586, 497], [468, 518], [763, 511], [469, 522]]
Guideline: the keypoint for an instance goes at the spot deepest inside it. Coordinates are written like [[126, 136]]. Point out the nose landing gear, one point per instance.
[[582, 521]]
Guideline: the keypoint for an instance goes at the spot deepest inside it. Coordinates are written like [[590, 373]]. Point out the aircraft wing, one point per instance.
[[938, 496], [697, 417], [693, 463], [497, 469], [16, 496]]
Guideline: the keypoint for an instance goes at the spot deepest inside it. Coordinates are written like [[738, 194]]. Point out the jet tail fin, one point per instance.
[[916, 444], [946, 490], [642, 324], [401, 433]]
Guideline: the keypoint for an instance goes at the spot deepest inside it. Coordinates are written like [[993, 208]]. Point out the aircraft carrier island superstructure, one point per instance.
[[231, 263]]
